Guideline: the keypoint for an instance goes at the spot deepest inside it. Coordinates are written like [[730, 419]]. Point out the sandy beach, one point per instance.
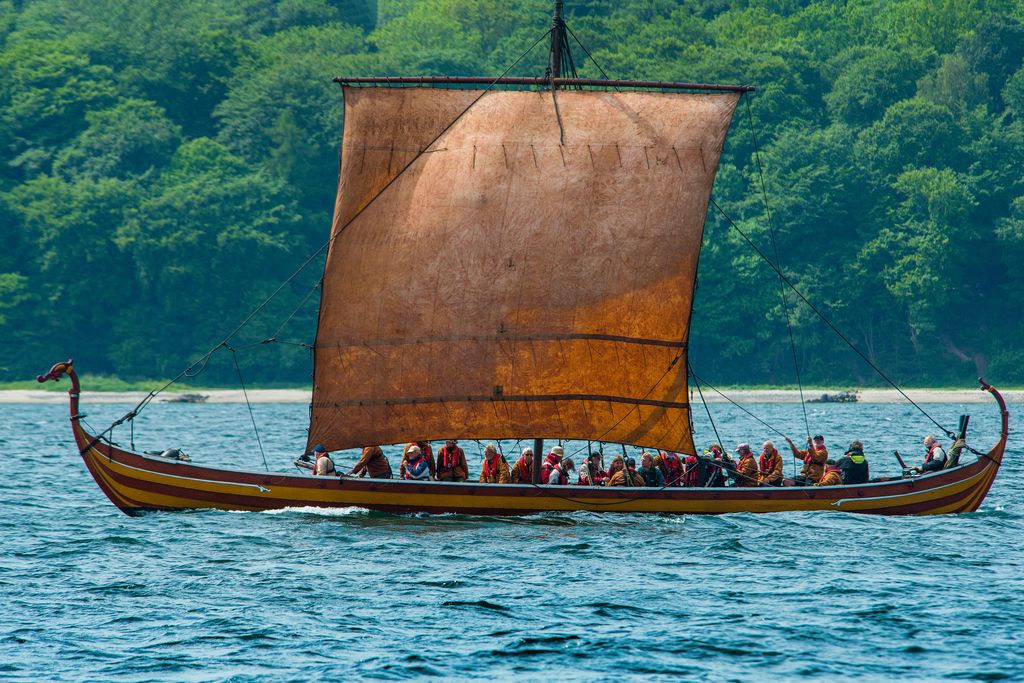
[[303, 396]]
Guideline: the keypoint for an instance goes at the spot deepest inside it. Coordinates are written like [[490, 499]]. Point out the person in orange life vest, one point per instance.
[[416, 465], [650, 472], [451, 463], [551, 470], [814, 459], [671, 466], [746, 468], [522, 471], [494, 469], [372, 463], [428, 454], [718, 474], [627, 476], [934, 458], [323, 466], [833, 475], [591, 473], [769, 466]]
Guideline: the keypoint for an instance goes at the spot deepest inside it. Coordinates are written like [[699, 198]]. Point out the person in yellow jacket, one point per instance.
[[495, 469], [769, 466], [814, 459], [746, 468], [833, 475]]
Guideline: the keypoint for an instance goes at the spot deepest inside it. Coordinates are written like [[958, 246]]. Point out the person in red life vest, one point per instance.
[[671, 465], [522, 471], [591, 473], [833, 476], [494, 469], [552, 466], [719, 466], [814, 459], [627, 475], [769, 466], [416, 465], [746, 468], [372, 463], [323, 466], [428, 454], [934, 457], [451, 463]]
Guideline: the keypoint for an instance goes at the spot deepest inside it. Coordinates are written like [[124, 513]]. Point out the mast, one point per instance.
[[554, 71]]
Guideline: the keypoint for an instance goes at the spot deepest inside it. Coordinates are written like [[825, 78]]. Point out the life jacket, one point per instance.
[[766, 463], [809, 455], [525, 465], [330, 464], [417, 469], [449, 458], [491, 470], [552, 463], [691, 475], [672, 468], [831, 469], [931, 452]]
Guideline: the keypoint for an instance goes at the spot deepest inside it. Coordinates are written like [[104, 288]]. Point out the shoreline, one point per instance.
[[40, 397]]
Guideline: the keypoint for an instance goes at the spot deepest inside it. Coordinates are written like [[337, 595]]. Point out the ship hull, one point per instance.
[[138, 483]]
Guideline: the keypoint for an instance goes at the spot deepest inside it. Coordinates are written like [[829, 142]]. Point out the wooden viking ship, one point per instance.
[[512, 258]]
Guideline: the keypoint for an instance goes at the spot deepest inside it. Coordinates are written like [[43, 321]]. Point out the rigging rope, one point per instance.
[[778, 262], [706, 409], [750, 414], [825, 320], [234, 357]]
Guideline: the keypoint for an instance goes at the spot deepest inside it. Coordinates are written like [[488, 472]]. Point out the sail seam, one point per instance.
[[673, 344], [502, 397]]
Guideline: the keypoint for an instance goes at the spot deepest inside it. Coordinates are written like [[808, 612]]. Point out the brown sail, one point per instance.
[[489, 281]]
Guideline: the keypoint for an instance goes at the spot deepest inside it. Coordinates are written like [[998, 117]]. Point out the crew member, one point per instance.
[[372, 463], [853, 466], [494, 469], [832, 475], [746, 468], [591, 473], [627, 475], [551, 466], [671, 466], [323, 466], [814, 459], [416, 465], [934, 458], [451, 462], [428, 454], [653, 476], [769, 466], [522, 471], [719, 469]]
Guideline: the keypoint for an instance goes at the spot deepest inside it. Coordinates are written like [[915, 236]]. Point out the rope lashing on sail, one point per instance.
[[825, 320], [204, 359], [778, 263]]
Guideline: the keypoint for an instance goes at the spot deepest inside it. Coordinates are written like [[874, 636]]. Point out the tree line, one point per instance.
[[167, 166]]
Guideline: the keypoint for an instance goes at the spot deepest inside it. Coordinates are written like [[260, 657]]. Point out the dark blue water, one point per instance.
[[89, 594]]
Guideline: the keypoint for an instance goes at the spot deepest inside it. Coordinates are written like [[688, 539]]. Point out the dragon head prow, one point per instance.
[[57, 371]]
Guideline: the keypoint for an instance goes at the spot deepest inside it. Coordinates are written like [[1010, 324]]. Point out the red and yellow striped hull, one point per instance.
[[135, 483]]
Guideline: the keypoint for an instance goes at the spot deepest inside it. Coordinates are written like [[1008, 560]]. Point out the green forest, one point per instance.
[[167, 165]]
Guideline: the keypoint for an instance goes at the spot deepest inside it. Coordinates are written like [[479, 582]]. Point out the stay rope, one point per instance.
[[824, 319], [778, 263]]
